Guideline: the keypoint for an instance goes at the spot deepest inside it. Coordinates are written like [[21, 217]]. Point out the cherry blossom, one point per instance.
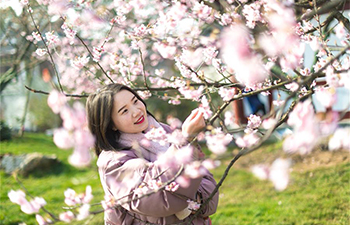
[[277, 173], [254, 122], [217, 142], [40, 220], [340, 139], [192, 205], [56, 101], [227, 94], [327, 96], [63, 138], [67, 216], [292, 86], [80, 62], [83, 212], [247, 140]]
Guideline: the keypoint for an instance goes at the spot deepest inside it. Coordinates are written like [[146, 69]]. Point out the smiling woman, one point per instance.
[[136, 175]]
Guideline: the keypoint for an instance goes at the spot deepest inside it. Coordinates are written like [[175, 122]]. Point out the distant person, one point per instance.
[[255, 104]]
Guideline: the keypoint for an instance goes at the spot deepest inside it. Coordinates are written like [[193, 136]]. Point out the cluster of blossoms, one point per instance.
[[73, 199], [29, 207], [217, 141], [74, 133], [277, 173]]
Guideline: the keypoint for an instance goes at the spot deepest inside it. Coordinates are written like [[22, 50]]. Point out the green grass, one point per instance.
[[48, 184], [323, 198]]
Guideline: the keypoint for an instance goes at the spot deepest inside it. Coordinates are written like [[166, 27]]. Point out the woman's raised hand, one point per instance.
[[193, 124]]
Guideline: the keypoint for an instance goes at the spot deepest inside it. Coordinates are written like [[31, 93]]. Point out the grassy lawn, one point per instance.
[[316, 195]]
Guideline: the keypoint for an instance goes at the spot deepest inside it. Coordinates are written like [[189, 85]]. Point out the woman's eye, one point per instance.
[[124, 111], [136, 101]]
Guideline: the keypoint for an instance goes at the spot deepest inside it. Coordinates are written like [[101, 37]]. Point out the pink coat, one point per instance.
[[123, 171]]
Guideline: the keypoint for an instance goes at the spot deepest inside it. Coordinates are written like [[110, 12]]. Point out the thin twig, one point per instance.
[[47, 48]]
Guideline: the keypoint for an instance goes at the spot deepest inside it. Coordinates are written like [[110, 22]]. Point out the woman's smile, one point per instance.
[[140, 120]]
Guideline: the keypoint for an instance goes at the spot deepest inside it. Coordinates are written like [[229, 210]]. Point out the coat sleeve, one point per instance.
[[206, 187], [122, 176]]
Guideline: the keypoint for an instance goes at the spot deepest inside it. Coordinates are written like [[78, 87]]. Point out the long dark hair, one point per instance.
[[99, 108]]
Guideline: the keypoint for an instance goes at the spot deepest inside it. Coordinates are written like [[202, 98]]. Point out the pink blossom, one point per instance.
[[183, 181], [326, 96], [81, 157], [210, 164], [24, 2], [217, 142], [269, 123], [184, 155], [279, 173], [261, 171], [40, 220], [56, 101], [18, 197], [305, 72], [190, 93], [83, 137], [254, 121], [157, 135], [71, 198], [108, 202], [192, 205], [68, 31], [278, 102], [238, 56], [87, 197], [155, 184], [247, 140], [140, 31], [83, 212], [173, 122], [230, 119], [340, 31], [165, 50], [252, 14], [227, 94], [97, 52], [340, 139], [302, 116], [209, 54], [294, 86], [33, 206], [175, 101], [194, 170], [73, 118], [63, 138], [202, 11], [51, 38], [225, 19], [36, 36], [80, 62], [67, 216], [176, 137], [302, 141], [41, 52], [193, 58], [205, 108], [173, 186]]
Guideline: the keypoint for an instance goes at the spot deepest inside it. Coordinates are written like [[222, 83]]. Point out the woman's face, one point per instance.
[[129, 114]]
